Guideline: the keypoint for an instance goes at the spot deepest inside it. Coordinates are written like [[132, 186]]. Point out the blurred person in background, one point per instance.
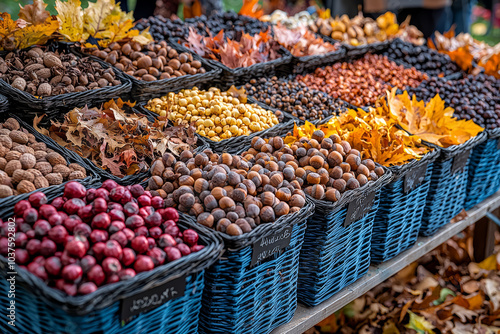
[[191, 8], [458, 14]]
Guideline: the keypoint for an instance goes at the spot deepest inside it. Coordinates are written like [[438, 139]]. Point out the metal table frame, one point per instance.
[[306, 318]]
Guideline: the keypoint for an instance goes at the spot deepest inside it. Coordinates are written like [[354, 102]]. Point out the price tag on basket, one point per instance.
[[459, 162], [151, 299], [414, 178], [267, 246], [358, 208]]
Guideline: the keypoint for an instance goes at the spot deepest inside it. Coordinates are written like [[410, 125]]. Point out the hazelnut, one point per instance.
[[205, 219], [234, 230], [267, 214]]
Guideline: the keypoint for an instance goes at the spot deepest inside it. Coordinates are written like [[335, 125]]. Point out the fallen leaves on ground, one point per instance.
[[443, 292], [116, 139]]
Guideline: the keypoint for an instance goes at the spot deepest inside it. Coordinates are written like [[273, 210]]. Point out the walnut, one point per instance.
[[3, 150], [44, 89], [40, 155], [39, 146], [55, 159], [3, 163], [76, 175], [6, 141], [18, 137], [35, 172], [28, 160], [77, 167], [44, 167], [62, 169], [12, 155], [31, 138], [5, 191], [24, 149], [49, 150], [54, 178], [21, 174], [41, 182], [4, 132], [25, 187], [11, 124], [5, 179], [12, 166]]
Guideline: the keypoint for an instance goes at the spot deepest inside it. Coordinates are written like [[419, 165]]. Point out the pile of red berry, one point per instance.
[[91, 237]]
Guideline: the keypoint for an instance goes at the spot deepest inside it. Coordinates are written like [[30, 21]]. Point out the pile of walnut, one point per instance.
[[224, 191], [27, 165], [43, 73], [151, 62]]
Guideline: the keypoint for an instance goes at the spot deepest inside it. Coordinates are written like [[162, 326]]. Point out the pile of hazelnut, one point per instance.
[[154, 61], [325, 167], [27, 165], [226, 192], [364, 80]]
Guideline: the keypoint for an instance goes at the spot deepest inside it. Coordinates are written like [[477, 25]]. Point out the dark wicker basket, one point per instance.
[[307, 63], [4, 104], [356, 51]]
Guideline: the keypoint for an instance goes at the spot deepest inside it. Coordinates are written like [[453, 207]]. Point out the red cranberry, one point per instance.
[[151, 243], [157, 202], [143, 263], [22, 256], [134, 222], [96, 275], [72, 273], [116, 226], [126, 197], [73, 189], [140, 244], [197, 248], [144, 200], [185, 250], [21, 207], [46, 211], [70, 289], [67, 259], [60, 284], [33, 246], [117, 193], [53, 265], [86, 213], [146, 211], [30, 215], [157, 255], [155, 232], [142, 230], [171, 214], [98, 236], [63, 214], [58, 234], [56, 219], [87, 288], [83, 230], [113, 249], [166, 240], [113, 278], [129, 233], [172, 253], [30, 234], [37, 199], [168, 223], [173, 230], [116, 215], [71, 222], [126, 274], [38, 270], [90, 195], [119, 237], [148, 193], [101, 221], [87, 262], [4, 246], [109, 185], [24, 227], [102, 193], [100, 205], [115, 206], [131, 208], [128, 256], [39, 259], [190, 237], [111, 265], [153, 219], [136, 190], [41, 227], [21, 239], [58, 203], [98, 250], [76, 248], [48, 248], [73, 205]]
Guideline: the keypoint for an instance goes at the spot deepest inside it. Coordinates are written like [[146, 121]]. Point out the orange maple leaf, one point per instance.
[[251, 8]]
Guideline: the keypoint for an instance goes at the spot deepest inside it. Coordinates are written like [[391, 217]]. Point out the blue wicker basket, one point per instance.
[[334, 256], [41, 309], [448, 190], [243, 298], [399, 215], [484, 175]]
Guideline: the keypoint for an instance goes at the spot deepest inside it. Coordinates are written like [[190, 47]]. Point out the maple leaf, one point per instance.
[[70, 16], [251, 8], [35, 13], [36, 34]]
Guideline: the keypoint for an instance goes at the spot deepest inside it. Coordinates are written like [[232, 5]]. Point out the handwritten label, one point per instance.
[[358, 208], [459, 162], [267, 246], [151, 299], [414, 178]]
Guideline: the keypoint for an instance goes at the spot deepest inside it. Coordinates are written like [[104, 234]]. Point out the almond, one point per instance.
[[49, 60]]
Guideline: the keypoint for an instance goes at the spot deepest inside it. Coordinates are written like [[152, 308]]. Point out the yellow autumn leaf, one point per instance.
[[490, 263], [419, 324], [70, 16], [36, 34]]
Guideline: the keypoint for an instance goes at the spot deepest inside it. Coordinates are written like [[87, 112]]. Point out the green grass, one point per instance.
[[492, 38]]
